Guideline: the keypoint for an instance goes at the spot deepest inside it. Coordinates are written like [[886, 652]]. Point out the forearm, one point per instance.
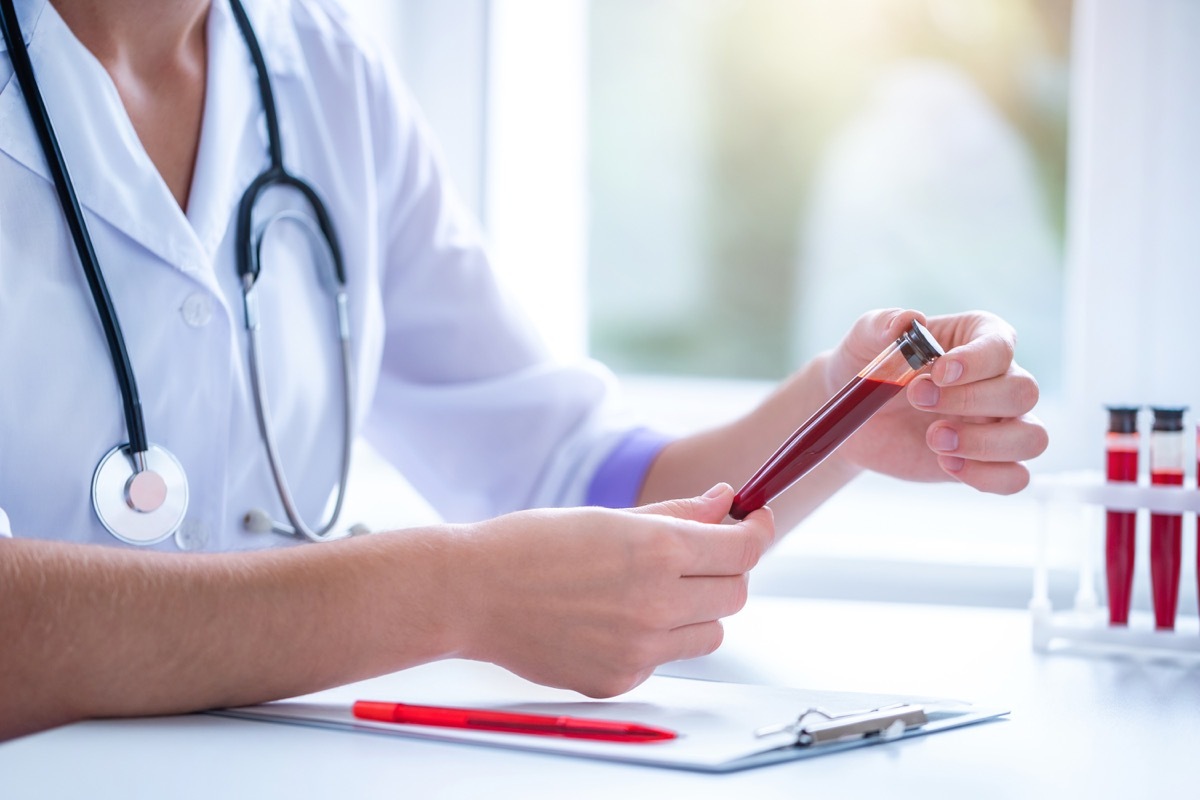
[[92, 631], [733, 452]]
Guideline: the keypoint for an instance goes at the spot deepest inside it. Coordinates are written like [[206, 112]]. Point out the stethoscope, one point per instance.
[[139, 489]]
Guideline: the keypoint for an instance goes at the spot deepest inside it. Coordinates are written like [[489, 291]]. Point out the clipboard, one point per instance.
[[721, 727]]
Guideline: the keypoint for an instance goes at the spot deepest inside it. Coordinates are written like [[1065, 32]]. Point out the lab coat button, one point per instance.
[[192, 535], [197, 310]]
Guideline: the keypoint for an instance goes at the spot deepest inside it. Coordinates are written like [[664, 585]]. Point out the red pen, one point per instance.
[[509, 722]]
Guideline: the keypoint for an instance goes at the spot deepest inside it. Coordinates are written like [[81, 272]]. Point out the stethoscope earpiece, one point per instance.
[[258, 521]]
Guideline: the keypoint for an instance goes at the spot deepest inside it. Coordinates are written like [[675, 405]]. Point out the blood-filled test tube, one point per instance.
[[846, 411], [1121, 448], [1166, 530]]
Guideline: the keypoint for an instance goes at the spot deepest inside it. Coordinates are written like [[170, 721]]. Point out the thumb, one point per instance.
[[711, 507]]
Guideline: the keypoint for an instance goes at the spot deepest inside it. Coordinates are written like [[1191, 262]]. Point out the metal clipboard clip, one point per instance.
[[816, 726]]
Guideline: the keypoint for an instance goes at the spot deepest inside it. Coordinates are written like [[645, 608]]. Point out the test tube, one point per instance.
[[846, 411], [1121, 447], [1166, 530]]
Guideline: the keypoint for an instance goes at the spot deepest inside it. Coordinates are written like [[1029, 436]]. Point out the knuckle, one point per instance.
[[1012, 480], [1010, 348], [982, 447], [638, 657], [657, 614], [616, 676], [1008, 345], [1018, 481], [713, 639], [749, 553], [745, 558], [737, 593], [1041, 439], [969, 398], [611, 685], [679, 507], [1028, 392]]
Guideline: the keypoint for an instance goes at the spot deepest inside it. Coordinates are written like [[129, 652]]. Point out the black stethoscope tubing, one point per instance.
[[23, 68], [275, 174]]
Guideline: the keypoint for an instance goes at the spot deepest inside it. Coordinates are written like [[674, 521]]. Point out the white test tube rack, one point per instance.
[[1085, 627]]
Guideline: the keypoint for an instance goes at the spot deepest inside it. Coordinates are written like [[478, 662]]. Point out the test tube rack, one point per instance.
[[1084, 628]]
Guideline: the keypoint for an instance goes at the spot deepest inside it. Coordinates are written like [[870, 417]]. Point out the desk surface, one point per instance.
[[1080, 727]]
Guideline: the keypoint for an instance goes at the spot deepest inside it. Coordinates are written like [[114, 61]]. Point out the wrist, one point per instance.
[[453, 589], [409, 590], [461, 589]]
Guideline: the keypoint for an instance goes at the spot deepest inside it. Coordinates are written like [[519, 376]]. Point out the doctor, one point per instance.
[[157, 421]]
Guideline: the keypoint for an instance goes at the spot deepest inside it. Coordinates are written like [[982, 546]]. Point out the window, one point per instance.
[[764, 171]]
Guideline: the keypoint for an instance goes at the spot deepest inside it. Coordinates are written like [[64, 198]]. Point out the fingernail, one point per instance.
[[952, 463], [944, 440], [952, 372], [926, 393], [716, 491]]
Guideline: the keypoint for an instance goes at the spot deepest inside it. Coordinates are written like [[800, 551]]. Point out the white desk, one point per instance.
[[1080, 727]]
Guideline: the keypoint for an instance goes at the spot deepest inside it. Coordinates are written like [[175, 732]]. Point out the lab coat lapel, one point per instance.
[[232, 151], [114, 178], [233, 142]]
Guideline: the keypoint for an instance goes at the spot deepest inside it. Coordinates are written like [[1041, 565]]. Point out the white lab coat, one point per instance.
[[453, 387]]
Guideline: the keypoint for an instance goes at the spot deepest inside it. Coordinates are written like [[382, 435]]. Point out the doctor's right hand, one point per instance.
[[595, 599]]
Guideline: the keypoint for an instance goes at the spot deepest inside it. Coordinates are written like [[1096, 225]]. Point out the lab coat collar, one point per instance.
[[113, 176], [269, 17], [231, 151]]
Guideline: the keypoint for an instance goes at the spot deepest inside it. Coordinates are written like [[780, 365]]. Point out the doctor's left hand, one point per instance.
[[595, 599], [968, 418]]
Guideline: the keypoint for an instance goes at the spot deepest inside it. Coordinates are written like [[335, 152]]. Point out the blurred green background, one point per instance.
[[763, 171]]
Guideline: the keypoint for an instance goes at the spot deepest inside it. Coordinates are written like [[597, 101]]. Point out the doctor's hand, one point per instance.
[[594, 599], [968, 419]]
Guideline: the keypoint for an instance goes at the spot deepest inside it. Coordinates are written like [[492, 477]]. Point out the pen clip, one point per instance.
[[817, 726]]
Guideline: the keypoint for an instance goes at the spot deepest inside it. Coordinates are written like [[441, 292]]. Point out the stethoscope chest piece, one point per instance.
[[140, 506]]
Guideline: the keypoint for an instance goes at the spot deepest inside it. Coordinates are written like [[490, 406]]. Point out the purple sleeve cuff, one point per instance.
[[618, 481]]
